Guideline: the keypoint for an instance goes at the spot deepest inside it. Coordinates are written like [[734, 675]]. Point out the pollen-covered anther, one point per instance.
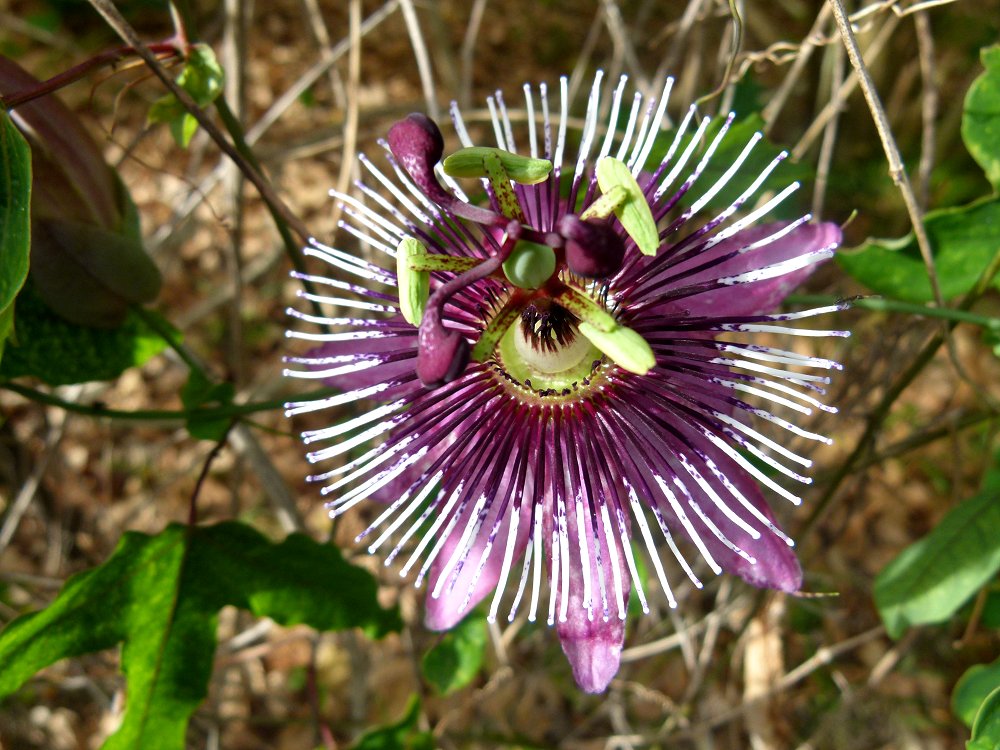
[[593, 249]]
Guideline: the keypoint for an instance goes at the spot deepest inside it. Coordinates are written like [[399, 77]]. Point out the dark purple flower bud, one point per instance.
[[417, 144], [442, 356], [593, 249]]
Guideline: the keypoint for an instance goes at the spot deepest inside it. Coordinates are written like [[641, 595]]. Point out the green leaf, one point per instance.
[[159, 596], [59, 352], [972, 689], [931, 579], [199, 392], [986, 729], [202, 77], [403, 735], [456, 659], [981, 116], [15, 219], [964, 240]]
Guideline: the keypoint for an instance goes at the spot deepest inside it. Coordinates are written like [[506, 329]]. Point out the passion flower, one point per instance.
[[540, 374]]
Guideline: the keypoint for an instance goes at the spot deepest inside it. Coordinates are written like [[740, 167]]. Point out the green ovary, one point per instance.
[[547, 368]]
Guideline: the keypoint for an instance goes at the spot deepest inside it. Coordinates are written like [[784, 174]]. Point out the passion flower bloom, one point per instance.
[[539, 376]]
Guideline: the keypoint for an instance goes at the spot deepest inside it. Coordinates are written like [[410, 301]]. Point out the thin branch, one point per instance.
[[124, 29]]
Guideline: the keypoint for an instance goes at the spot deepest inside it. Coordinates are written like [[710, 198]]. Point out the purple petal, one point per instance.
[[776, 565], [401, 346], [755, 298], [592, 645], [447, 610]]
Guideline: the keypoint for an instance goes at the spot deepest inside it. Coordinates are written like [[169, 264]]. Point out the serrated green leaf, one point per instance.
[[981, 116], [15, 219], [986, 729], [402, 735], [964, 240], [930, 580], [59, 352], [972, 689], [159, 596], [456, 659]]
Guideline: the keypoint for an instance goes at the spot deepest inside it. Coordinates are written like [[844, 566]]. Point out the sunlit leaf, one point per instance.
[[981, 116], [986, 729], [202, 77], [972, 689], [964, 240], [930, 580], [159, 596]]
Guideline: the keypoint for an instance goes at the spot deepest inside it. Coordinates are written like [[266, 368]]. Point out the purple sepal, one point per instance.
[[471, 583], [593, 248], [592, 645], [417, 144], [755, 298]]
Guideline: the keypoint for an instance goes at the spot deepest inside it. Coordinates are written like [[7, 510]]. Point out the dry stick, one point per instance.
[[583, 58], [122, 27], [420, 53], [468, 51], [194, 197], [837, 100], [897, 170], [669, 64], [929, 105], [321, 34], [829, 137], [349, 152], [770, 112], [621, 38], [22, 501]]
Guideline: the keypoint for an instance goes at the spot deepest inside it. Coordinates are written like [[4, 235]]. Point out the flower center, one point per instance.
[[545, 351], [563, 331]]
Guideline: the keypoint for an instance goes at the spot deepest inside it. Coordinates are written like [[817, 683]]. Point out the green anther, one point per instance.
[[414, 286], [584, 308], [510, 206], [454, 263], [530, 265], [606, 204], [623, 346], [469, 162], [634, 212], [496, 328]]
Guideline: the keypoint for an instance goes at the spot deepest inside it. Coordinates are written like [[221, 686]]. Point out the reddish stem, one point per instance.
[[170, 47]]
